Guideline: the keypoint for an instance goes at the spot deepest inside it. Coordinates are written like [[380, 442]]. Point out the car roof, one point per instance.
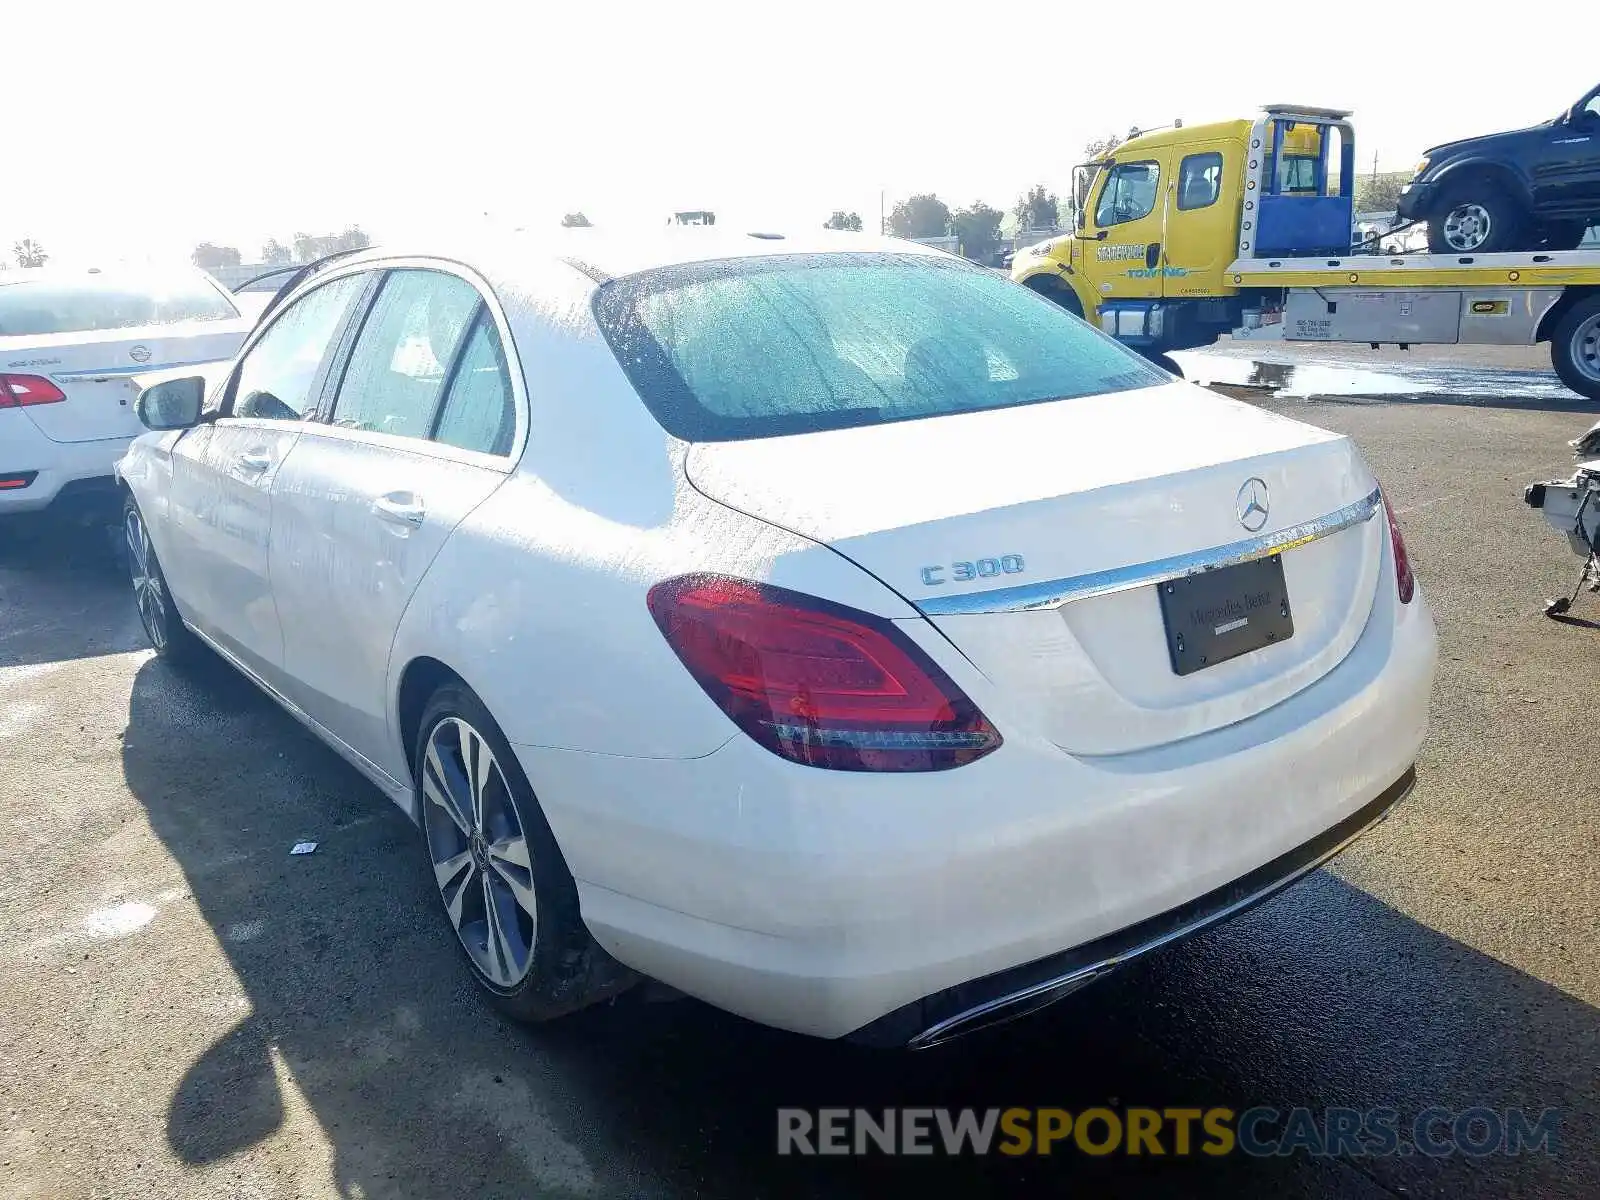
[[605, 254], [613, 254]]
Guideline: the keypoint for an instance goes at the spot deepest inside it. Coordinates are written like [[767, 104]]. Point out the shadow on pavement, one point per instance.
[[1325, 996], [63, 594]]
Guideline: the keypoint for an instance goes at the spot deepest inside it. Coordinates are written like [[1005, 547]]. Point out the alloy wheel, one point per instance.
[[148, 592], [481, 858], [1467, 226]]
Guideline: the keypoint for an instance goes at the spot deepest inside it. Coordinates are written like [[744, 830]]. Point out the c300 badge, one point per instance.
[[979, 568]]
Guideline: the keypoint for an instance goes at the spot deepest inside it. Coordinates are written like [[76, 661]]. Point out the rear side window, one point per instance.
[[479, 413], [761, 347], [407, 345], [105, 300], [1199, 180]]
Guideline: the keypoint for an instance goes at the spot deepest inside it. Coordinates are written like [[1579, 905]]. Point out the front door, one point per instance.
[[419, 434], [220, 509], [1202, 211], [1123, 233]]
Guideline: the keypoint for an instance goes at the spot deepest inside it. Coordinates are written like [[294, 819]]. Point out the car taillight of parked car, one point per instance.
[[23, 391], [818, 683], [1405, 581]]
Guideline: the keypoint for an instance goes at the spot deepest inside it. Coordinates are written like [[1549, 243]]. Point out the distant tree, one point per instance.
[[30, 253], [576, 220], [843, 220], [276, 254], [978, 228], [923, 215], [1380, 193], [353, 238], [209, 257], [1093, 150], [1101, 146], [1037, 209], [309, 247]]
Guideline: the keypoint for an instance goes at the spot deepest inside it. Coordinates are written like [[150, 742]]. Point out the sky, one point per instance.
[[143, 129]]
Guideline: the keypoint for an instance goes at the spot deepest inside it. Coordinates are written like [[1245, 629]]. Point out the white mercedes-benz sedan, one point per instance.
[[824, 626]]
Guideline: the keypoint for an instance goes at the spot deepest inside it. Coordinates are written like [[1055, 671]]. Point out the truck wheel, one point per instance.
[[1575, 348], [1475, 217], [1054, 289]]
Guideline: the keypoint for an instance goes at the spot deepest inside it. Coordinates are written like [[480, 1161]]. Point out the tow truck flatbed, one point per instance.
[[1564, 268]]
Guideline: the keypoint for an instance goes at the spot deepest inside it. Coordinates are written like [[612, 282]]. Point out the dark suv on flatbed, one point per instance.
[[1532, 189]]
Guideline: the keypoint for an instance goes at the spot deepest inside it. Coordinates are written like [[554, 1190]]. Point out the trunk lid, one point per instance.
[[96, 371], [1035, 495]]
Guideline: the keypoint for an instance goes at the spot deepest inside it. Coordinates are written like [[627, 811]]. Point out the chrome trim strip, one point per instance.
[[1052, 990], [1053, 593]]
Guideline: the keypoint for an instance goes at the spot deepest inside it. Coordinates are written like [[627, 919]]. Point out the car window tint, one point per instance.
[[1129, 193], [37, 302], [277, 373], [1199, 180], [478, 410], [762, 347], [403, 353]]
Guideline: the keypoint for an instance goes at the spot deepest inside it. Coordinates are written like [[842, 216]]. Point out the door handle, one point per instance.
[[253, 462], [400, 508], [1152, 255]]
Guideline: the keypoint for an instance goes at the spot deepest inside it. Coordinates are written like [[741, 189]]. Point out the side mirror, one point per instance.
[[172, 404]]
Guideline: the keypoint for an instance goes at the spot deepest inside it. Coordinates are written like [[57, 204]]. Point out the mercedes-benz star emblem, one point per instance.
[[1251, 504], [140, 354]]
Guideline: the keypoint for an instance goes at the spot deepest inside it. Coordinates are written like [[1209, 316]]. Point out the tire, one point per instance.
[[1575, 348], [1476, 216], [487, 848], [1166, 362], [151, 596], [1057, 292]]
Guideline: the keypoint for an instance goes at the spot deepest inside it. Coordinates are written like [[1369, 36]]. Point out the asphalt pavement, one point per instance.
[[187, 1010]]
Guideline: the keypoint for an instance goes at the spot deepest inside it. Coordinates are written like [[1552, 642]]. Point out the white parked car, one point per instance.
[[71, 343], [826, 627]]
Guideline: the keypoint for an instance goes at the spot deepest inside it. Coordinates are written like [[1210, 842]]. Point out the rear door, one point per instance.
[[219, 508], [1125, 225], [420, 431], [1202, 214]]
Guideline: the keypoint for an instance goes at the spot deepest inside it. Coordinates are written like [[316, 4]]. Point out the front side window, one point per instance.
[[1199, 180], [406, 348], [762, 347], [479, 413], [1129, 193], [37, 302], [278, 372]]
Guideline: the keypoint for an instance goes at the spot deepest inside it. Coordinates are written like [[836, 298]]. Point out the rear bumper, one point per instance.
[[68, 474], [1026, 989]]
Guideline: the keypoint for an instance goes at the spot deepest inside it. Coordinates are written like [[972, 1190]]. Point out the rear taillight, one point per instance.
[[1404, 581], [816, 682], [26, 390]]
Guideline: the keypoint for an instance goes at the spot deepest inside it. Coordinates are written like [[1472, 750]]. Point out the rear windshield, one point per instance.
[[108, 300], [752, 348]]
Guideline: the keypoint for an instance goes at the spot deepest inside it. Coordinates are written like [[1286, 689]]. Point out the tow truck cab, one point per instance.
[[1164, 217]]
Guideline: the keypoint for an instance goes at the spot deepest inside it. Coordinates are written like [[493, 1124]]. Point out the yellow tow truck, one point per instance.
[[1245, 228]]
